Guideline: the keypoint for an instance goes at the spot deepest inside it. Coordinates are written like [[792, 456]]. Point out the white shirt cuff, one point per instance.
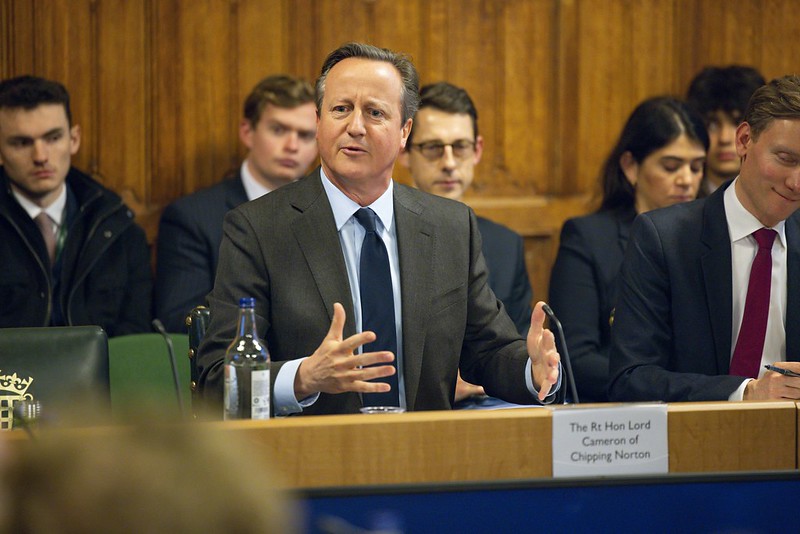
[[739, 393], [285, 401], [529, 382]]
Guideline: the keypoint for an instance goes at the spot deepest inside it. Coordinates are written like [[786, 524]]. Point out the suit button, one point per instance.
[[107, 234]]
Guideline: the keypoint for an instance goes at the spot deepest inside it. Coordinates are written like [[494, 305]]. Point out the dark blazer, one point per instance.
[[189, 235], [583, 292], [673, 322], [504, 252], [284, 250]]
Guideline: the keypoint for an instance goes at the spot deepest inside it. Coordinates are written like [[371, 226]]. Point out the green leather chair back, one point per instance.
[[65, 368], [142, 384]]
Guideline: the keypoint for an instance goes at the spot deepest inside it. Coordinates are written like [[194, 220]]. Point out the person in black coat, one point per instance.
[[71, 251], [658, 161]]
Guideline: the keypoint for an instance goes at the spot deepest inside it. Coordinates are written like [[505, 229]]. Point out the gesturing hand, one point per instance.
[[335, 367], [542, 352]]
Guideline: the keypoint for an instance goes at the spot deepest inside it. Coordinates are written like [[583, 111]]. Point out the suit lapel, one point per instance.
[[315, 231], [793, 287], [415, 239], [716, 266]]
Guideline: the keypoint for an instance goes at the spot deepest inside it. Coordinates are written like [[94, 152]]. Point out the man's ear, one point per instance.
[[629, 166], [246, 133], [743, 139], [478, 149], [74, 139], [405, 131]]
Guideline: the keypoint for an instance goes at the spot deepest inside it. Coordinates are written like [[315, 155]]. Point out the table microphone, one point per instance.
[[554, 320], [159, 327]]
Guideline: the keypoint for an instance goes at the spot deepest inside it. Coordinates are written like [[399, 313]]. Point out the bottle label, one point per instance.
[[231, 393], [260, 396]]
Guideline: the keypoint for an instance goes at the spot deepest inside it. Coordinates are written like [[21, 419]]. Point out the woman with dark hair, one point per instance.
[[658, 161]]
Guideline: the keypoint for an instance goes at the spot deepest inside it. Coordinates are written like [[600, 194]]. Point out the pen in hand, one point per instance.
[[781, 370]]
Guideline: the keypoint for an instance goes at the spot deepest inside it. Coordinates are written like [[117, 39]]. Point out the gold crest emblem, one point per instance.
[[12, 389]]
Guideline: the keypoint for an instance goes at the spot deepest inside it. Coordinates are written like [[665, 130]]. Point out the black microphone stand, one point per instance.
[[159, 327], [553, 319]]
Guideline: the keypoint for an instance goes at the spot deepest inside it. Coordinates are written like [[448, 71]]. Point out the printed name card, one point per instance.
[[619, 440]]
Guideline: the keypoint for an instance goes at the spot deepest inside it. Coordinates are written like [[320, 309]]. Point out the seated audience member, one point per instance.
[[277, 127], [346, 258], [709, 291], [657, 162], [149, 479], [71, 251], [443, 148], [720, 95]]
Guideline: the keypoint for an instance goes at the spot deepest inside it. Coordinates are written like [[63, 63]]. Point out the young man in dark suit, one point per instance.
[[277, 127], [301, 253], [443, 148], [709, 292]]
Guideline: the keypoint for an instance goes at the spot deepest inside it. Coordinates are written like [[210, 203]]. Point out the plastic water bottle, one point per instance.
[[247, 366]]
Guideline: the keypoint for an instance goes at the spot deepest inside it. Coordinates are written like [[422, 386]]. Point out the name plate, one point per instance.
[[619, 440]]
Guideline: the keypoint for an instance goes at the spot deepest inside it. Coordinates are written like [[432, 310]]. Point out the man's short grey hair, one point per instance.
[[409, 96]]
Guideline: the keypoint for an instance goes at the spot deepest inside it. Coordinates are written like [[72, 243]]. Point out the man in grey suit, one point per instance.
[[304, 272], [694, 321], [443, 148], [278, 128]]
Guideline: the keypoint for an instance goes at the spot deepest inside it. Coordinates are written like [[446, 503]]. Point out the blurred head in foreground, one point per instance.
[[159, 479]]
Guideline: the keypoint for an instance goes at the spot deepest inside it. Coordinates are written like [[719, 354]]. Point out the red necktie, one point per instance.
[[45, 224], [746, 359]]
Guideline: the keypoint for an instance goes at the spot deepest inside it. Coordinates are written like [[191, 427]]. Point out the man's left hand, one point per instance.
[[542, 352]]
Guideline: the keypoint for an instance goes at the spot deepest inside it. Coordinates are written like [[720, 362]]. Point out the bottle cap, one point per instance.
[[247, 302]]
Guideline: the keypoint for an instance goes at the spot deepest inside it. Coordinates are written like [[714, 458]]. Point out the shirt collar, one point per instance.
[[252, 187], [742, 223], [344, 207], [55, 210]]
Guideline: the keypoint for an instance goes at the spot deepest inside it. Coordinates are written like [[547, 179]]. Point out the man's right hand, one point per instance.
[[335, 367], [774, 385]]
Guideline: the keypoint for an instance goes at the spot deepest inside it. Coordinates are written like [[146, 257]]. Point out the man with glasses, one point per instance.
[[444, 148]]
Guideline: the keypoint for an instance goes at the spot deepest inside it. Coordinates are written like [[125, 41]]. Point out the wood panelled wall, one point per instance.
[[157, 85]]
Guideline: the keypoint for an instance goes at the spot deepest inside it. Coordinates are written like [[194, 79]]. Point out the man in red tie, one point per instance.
[[71, 252], [710, 291]]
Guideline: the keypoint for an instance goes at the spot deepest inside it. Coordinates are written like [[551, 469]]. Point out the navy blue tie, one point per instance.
[[377, 303]]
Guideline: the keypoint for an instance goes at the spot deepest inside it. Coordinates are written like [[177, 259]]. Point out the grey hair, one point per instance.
[[409, 95]]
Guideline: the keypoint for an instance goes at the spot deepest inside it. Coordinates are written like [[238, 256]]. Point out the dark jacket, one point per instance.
[[504, 252], [103, 272], [674, 317], [583, 292], [188, 249]]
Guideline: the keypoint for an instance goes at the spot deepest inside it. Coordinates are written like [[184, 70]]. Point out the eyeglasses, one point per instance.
[[434, 150]]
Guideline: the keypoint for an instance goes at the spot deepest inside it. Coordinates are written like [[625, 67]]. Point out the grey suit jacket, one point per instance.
[[671, 339], [283, 249], [189, 235]]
